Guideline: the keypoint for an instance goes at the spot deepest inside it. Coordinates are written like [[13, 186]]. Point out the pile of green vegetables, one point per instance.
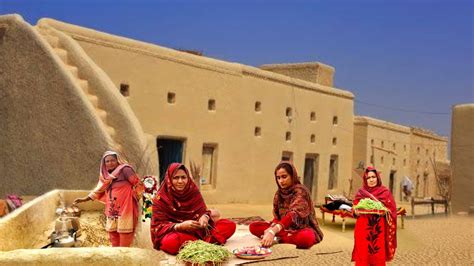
[[368, 204], [200, 252]]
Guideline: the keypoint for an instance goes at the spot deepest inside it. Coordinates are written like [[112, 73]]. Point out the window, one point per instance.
[[288, 136], [258, 106], [372, 142], [312, 116], [332, 182], [171, 97], [381, 159], [394, 146], [382, 144], [125, 89], [418, 150], [208, 175], [404, 162], [372, 159], [334, 120], [334, 141], [313, 138], [258, 132], [287, 156], [289, 112], [211, 105], [393, 161]]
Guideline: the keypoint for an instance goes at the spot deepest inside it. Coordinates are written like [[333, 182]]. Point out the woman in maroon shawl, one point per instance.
[[293, 211], [180, 214], [117, 187], [375, 236]]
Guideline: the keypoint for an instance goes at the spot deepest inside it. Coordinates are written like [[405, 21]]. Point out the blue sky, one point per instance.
[[407, 62]]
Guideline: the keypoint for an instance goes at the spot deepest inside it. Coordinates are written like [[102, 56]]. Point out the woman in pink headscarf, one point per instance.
[[293, 211], [117, 188], [375, 236]]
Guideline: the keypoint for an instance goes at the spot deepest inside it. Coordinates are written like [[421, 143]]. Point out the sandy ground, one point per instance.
[[426, 240]]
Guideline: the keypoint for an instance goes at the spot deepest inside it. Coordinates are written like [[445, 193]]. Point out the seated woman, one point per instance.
[[294, 216], [180, 214], [117, 188], [375, 238]]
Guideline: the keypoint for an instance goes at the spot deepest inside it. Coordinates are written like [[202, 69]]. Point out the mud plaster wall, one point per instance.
[[48, 137], [462, 158], [152, 72]]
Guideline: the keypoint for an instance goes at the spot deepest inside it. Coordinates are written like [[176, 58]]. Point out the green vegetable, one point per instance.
[[199, 252], [368, 204]]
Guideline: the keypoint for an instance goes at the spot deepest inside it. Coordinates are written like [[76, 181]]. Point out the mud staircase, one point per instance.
[[83, 83]]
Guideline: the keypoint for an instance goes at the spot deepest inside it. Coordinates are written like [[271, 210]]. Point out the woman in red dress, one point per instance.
[[375, 236], [117, 187], [293, 211], [180, 214]]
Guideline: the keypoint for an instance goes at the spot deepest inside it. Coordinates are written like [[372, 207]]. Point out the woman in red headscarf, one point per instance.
[[375, 236], [180, 214], [294, 216], [117, 188]]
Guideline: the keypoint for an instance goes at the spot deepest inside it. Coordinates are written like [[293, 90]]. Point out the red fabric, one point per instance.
[[121, 239], [287, 220], [223, 230], [171, 207], [370, 242], [303, 238], [292, 206], [389, 227]]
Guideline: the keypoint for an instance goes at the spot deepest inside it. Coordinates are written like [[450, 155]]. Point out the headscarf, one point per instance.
[[382, 194], [104, 175], [295, 198], [171, 206]]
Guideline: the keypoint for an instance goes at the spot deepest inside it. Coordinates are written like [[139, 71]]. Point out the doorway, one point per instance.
[[391, 184], [310, 177], [169, 151]]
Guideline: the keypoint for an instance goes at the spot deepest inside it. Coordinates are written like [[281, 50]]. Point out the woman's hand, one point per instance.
[[189, 225], [204, 221], [267, 239], [80, 200]]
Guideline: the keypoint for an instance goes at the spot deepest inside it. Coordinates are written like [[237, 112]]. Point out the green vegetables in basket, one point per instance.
[[368, 204], [200, 252]]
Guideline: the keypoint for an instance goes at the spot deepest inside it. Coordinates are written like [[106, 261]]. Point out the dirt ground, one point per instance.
[[426, 240]]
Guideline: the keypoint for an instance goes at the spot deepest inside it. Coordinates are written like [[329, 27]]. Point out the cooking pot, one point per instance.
[[66, 224]]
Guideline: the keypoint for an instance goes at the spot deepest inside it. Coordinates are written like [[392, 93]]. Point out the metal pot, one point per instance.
[[65, 241]]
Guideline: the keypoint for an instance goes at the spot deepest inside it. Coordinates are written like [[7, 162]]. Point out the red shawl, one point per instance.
[[383, 195], [171, 207], [296, 200]]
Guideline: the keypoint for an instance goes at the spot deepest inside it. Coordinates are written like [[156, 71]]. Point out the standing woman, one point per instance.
[[180, 214], [293, 211], [375, 236], [116, 188]]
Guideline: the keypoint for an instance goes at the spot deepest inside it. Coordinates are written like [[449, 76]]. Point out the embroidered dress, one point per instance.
[[375, 239], [118, 191], [293, 209]]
